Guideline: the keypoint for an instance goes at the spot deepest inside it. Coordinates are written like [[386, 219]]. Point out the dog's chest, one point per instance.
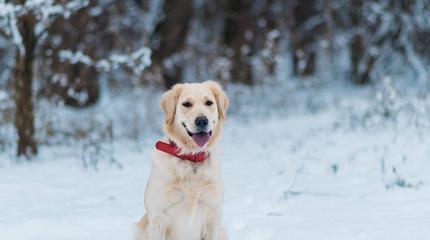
[[193, 208], [194, 190]]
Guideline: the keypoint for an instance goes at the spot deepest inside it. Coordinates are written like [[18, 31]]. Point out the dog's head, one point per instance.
[[194, 113]]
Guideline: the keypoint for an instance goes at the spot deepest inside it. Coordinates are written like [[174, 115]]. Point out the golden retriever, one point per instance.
[[183, 196]]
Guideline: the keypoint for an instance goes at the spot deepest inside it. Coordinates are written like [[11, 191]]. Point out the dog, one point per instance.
[[184, 193]]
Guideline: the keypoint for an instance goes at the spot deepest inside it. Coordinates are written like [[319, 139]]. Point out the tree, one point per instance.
[[238, 25], [169, 38], [75, 85], [303, 35], [247, 32], [361, 61], [383, 28], [26, 22], [23, 84]]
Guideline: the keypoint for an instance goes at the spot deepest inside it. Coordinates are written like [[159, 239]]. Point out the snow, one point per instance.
[[137, 60], [43, 10], [73, 58], [301, 175]]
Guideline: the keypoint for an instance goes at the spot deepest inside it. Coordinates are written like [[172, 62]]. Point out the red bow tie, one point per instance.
[[172, 149]]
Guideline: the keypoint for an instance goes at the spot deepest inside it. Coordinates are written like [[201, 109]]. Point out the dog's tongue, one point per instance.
[[201, 138]]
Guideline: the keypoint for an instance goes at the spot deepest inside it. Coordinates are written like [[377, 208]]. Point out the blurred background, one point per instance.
[[77, 54], [328, 126]]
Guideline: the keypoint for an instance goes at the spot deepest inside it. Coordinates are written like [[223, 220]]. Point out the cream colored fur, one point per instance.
[[183, 199]]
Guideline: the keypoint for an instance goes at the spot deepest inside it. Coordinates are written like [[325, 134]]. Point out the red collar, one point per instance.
[[172, 149]]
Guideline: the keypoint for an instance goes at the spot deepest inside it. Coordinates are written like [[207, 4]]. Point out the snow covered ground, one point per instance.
[[300, 176]]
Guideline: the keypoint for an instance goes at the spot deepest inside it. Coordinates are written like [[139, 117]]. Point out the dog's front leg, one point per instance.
[[222, 235], [160, 229], [142, 228], [213, 232]]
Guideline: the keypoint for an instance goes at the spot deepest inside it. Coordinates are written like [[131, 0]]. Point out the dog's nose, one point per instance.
[[201, 122]]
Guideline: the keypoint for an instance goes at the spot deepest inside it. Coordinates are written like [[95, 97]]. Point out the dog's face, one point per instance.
[[194, 113]]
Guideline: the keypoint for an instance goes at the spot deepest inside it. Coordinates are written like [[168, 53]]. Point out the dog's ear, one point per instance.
[[221, 98], [169, 101]]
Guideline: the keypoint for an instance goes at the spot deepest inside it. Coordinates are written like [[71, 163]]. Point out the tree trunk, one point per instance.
[[329, 28], [170, 35], [303, 36], [270, 40], [22, 86], [238, 34], [362, 61], [357, 49]]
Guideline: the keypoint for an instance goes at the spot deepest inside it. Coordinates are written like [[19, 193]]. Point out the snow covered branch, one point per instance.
[[137, 60], [44, 11]]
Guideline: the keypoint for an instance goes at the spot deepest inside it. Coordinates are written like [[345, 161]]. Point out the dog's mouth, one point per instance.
[[199, 138]]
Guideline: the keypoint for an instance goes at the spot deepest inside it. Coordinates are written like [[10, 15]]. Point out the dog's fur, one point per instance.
[[183, 199]]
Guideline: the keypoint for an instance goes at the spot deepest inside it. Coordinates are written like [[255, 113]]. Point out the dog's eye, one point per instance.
[[209, 103], [187, 104]]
